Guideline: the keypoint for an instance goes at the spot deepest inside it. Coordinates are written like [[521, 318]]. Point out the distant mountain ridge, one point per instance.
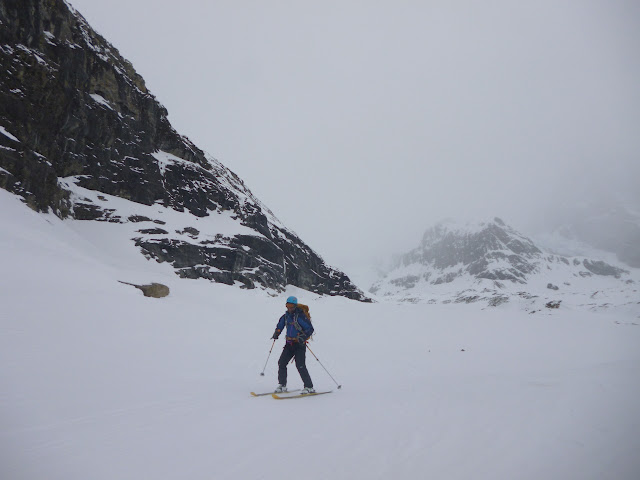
[[608, 224], [492, 262], [79, 132]]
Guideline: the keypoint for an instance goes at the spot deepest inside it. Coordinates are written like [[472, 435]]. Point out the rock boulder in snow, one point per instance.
[[155, 290]]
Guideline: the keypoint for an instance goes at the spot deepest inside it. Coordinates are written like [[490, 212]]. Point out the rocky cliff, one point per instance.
[[492, 251], [79, 127]]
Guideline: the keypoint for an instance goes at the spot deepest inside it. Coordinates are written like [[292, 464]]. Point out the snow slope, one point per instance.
[[101, 382]]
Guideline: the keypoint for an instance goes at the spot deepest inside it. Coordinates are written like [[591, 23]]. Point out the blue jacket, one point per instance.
[[290, 320]]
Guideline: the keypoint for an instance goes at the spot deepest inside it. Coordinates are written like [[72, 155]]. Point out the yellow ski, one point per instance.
[[299, 395]]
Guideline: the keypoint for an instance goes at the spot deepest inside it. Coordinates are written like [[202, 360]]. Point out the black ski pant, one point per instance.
[[299, 351]]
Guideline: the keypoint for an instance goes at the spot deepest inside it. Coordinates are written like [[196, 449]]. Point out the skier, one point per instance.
[[299, 329]]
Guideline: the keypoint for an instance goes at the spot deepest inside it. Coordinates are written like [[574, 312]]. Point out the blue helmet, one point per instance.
[[293, 300]]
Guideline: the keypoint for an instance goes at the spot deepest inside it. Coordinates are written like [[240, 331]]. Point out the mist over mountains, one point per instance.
[[606, 223], [518, 349], [492, 263]]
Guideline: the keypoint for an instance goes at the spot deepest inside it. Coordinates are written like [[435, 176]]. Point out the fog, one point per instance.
[[361, 123]]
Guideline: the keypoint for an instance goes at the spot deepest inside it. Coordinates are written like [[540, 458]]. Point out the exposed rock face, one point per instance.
[[601, 268], [75, 115], [492, 251]]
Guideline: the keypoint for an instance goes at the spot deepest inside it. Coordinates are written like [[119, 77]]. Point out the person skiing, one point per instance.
[[299, 329]]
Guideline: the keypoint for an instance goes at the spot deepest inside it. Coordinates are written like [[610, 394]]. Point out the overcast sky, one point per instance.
[[361, 123]]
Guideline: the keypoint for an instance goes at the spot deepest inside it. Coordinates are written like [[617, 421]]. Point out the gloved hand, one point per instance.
[[276, 334], [302, 339]]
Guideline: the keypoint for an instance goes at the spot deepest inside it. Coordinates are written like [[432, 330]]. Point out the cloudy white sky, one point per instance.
[[361, 123]]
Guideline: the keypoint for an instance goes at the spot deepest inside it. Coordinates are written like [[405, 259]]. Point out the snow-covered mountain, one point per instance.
[[491, 262], [81, 136]]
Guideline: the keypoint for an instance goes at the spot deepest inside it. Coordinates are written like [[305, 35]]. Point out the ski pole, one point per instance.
[[265, 363], [339, 386]]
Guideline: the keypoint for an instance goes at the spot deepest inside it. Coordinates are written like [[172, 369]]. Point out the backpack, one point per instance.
[[305, 310]]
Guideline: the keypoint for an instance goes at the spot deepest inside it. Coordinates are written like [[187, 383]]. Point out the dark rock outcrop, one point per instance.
[[75, 114], [599, 267]]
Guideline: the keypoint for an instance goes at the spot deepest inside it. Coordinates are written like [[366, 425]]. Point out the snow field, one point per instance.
[[101, 382]]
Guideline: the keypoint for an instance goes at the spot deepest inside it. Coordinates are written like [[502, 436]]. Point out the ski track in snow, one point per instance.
[[100, 382]]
